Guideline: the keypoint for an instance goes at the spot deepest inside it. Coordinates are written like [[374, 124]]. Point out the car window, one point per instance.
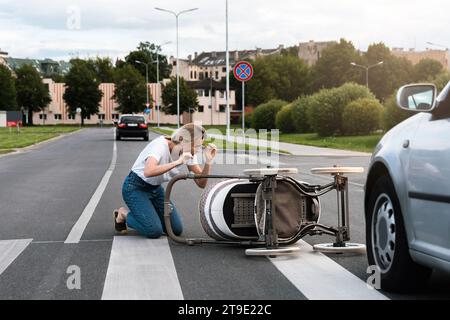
[[132, 120]]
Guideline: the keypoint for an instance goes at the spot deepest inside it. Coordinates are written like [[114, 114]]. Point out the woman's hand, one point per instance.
[[184, 158], [210, 153]]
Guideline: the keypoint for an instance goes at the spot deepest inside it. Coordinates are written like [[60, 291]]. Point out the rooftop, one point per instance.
[[219, 58], [45, 67]]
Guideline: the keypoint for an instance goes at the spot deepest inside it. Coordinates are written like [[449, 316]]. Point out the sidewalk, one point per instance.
[[294, 149]]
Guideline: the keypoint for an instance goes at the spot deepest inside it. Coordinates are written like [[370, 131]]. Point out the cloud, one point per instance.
[[31, 28]]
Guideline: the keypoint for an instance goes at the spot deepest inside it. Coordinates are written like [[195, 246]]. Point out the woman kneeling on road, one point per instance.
[[157, 164]]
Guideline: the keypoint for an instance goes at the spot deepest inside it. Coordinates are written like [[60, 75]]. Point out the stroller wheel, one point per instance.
[[354, 248], [264, 252]]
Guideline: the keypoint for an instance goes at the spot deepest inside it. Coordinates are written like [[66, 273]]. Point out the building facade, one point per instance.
[[415, 57], [311, 51], [57, 112], [213, 65], [3, 56], [47, 67]]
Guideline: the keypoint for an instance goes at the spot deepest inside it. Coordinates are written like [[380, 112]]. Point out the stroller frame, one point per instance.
[[269, 244]]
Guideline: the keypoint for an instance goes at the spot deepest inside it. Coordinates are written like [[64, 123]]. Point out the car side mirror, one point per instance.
[[417, 97]]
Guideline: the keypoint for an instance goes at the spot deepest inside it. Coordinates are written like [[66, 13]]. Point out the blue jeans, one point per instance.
[[146, 204]]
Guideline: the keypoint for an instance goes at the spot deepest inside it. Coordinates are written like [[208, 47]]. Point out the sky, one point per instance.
[[61, 29]]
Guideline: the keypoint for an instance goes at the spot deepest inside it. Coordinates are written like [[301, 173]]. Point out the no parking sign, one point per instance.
[[243, 71]]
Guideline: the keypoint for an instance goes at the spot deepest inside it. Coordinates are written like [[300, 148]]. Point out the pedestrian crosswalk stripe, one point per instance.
[[77, 231], [141, 269], [320, 278], [10, 250]]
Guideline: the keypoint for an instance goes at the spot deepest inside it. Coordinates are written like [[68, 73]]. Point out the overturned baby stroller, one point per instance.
[[268, 212]]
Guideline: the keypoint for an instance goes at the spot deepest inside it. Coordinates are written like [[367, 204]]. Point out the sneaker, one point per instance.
[[120, 227]]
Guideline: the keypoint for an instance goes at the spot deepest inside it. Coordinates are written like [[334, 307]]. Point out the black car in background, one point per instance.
[[130, 126]]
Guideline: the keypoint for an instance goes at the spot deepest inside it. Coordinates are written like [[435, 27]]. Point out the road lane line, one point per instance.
[[320, 278], [78, 229], [10, 250], [141, 269]]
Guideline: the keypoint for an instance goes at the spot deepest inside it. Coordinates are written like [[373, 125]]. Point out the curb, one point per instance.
[[40, 144]]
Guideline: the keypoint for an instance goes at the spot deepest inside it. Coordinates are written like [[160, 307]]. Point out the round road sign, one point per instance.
[[243, 71]]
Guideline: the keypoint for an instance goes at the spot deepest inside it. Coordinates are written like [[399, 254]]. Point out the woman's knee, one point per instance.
[[178, 230], [153, 232]]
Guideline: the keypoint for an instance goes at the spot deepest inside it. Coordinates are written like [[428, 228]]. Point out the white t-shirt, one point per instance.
[[158, 149]]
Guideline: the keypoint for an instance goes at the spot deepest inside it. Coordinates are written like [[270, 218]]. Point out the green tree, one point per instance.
[[300, 114], [427, 70], [7, 90], [362, 117], [284, 121], [327, 107], [148, 52], [58, 78], [334, 68], [32, 93], [82, 90], [265, 114], [103, 69], [284, 77], [131, 91], [291, 51], [441, 80], [386, 79], [188, 97], [392, 114]]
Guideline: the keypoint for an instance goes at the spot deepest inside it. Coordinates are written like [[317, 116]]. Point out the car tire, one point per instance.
[[387, 244], [146, 138], [118, 138]]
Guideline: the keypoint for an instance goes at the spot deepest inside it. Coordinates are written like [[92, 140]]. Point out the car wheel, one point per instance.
[[146, 138], [118, 138], [387, 244]]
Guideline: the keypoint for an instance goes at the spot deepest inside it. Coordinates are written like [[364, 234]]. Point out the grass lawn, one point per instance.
[[11, 139], [356, 143]]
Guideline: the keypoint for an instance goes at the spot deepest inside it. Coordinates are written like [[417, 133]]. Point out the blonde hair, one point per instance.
[[189, 133]]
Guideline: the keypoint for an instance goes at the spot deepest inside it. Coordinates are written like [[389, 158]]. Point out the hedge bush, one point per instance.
[[327, 107], [362, 117], [299, 114], [265, 114], [248, 120], [392, 114], [284, 121]]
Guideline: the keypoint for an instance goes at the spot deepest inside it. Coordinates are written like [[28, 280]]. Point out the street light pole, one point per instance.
[[367, 68], [177, 15], [158, 107], [146, 79], [228, 74]]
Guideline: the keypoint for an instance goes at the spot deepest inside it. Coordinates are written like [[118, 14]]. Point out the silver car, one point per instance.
[[407, 201]]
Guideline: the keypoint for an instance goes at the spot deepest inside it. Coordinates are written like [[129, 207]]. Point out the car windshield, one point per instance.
[[132, 120]]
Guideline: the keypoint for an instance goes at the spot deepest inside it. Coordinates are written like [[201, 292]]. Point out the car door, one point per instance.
[[429, 186]]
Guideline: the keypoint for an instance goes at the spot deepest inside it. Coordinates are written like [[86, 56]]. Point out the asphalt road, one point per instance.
[[43, 193]]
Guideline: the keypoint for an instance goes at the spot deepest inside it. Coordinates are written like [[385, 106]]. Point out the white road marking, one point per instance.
[[78, 229], [10, 250], [141, 269], [320, 278]]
